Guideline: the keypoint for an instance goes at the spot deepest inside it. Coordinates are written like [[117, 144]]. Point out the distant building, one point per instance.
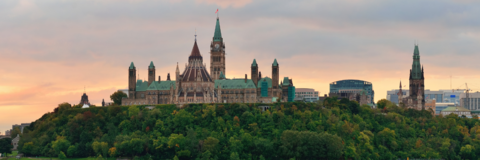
[[474, 101], [20, 126], [350, 88], [438, 96], [84, 101], [306, 94], [460, 111], [195, 84], [430, 104], [15, 142], [441, 106], [416, 98], [7, 132]]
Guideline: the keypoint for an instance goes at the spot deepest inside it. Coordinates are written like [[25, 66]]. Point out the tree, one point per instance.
[[60, 145], [6, 146], [117, 97], [383, 103], [61, 155], [71, 151]]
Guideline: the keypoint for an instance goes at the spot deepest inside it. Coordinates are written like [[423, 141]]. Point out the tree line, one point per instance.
[[332, 129]]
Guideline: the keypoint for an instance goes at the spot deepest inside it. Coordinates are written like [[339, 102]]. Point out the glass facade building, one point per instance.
[[352, 86]]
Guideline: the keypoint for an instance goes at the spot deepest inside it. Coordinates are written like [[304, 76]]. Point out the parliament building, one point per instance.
[[195, 84]]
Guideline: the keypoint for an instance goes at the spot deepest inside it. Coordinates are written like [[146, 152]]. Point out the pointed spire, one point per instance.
[[195, 52], [217, 36], [400, 85], [275, 62], [151, 65], [177, 70], [222, 76], [132, 66], [254, 64]]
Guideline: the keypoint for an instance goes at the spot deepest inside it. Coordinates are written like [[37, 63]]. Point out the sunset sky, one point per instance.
[[51, 49]]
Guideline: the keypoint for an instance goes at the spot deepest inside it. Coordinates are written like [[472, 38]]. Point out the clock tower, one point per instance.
[[217, 54]]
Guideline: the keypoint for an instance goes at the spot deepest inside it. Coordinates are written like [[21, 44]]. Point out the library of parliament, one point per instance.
[[195, 84]]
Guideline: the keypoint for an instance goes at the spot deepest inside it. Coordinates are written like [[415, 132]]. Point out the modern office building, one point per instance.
[[438, 96], [473, 103], [306, 94], [343, 88]]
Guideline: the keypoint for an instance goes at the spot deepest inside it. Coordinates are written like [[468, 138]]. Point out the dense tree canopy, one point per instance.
[[6, 146], [333, 129], [117, 97]]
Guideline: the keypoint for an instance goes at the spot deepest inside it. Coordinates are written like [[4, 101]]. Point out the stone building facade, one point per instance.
[[416, 98], [196, 85]]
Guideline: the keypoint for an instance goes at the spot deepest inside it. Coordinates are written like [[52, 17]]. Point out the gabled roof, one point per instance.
[[162, 85], [217, 36], [141, 85], [275, 62], [453, 109], [254, 63], [235, 84], [132, 66], [151, 65], [195, 52]]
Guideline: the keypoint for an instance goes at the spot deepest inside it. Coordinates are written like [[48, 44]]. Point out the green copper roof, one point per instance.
[[286, 82], [267, 79], [218, 34], [453, 109], [151, 65], [253, 64], [141, 85], [163, 85], [235, 84], [275, 62], [132, 66], [222, 76], [416, 72]]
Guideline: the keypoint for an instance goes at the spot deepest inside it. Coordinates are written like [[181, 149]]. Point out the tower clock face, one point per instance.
[[217, 46]]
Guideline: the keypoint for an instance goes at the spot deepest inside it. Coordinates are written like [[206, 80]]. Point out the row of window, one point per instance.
[[232, 92]]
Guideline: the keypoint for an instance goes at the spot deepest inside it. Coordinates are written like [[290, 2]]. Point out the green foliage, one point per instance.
[[6, 146], [61, 155], [117, 97], [333, 129]]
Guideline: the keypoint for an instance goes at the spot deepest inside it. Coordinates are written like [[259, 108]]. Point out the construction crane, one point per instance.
[[467, 95]]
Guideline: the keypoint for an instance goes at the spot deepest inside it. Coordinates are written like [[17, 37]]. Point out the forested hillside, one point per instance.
[[331, 130]]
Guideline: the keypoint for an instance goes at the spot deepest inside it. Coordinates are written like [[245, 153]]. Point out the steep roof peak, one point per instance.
[[254, 63], [195, 52], [151, 65], [217, 36], [132, 66], [275, 62]]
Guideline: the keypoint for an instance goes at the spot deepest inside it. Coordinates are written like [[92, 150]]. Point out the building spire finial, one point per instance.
[[195, 34]]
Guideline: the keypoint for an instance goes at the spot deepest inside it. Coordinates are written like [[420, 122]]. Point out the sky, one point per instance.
[[52, 51]]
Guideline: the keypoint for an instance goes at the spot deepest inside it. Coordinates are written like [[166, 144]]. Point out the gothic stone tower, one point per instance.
[[417, 82], [132, 79], [275, 75], [217, 53], [254, 74], [151, 73]]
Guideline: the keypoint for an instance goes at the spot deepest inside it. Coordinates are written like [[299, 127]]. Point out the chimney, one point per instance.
[[259, 75], [245, 78], [159, 79], [168, 77]]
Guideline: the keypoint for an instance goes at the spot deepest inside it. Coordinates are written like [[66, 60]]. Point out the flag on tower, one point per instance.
[[216, 11]]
